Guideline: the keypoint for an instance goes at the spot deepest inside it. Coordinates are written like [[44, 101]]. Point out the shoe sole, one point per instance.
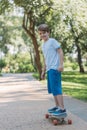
[[60, 114]]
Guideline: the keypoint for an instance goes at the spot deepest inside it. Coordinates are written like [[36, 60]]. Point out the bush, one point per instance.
[[2, 64], [86, 64], [25, 68], [74, 66]]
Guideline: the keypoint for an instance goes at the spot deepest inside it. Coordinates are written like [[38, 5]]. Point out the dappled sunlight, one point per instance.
[[75, 77], [75, 84], [18, 88], [71, 84], [76, 92]]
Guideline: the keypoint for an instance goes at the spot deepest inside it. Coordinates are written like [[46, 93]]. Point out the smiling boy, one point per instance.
[[53, 65]]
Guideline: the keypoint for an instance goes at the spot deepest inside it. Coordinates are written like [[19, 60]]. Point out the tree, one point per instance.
[[35, 12], [10, 32], [4, 35], [71, 28]]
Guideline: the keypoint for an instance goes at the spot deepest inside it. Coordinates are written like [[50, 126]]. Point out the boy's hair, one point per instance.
[[43, 27]]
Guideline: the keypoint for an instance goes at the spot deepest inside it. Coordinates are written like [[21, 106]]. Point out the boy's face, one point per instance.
[[44, 35]]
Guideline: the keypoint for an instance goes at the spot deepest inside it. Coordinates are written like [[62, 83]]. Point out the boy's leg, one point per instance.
[[57, 90], [56, 102], [61, 110], [59, 101], [54, 86]]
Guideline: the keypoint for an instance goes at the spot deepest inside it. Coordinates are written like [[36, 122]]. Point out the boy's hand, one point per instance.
[[43, 75], [60, 68]]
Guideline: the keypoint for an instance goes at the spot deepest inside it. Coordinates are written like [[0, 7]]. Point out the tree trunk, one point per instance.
[[37, 55], [29, 27], [79, 59], [31, 57], [76, 38]]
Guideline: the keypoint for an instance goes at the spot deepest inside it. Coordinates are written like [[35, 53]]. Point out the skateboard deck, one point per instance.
[[59, 119]]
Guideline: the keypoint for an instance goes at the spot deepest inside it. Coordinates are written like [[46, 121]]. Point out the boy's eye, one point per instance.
[[41, 33], [44, 32]]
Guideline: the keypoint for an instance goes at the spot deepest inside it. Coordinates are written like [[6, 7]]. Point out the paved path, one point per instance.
[[24, 101]]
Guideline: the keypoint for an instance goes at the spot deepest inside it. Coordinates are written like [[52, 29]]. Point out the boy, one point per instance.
[[53, 65]]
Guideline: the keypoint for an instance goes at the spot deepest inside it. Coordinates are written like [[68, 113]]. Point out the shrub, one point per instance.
[[2, 64], [74, 66]]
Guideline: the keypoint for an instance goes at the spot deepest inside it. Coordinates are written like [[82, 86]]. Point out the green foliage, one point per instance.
[[19, 64], [4, 6], [69, 22], [38, 10], [25, 68], [74, 66], [14, 40], [2, 64], [86, 63]]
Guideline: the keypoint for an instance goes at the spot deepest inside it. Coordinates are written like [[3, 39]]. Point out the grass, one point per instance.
[[74, 84]]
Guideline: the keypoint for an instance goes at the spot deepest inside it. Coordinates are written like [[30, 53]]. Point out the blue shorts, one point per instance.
[[54, 82]]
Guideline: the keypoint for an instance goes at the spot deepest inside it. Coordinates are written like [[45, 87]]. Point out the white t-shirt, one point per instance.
[[50, 53]]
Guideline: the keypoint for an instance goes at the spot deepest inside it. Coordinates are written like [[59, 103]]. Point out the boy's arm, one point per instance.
[[60, 52], [43, 70], [44, 66]]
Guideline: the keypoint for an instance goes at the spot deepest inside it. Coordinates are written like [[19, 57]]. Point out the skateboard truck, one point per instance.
[[56, 120]]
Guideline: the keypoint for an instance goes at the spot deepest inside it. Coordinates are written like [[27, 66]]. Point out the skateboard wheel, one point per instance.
[[69, 121], [47, 116], [55, 122]]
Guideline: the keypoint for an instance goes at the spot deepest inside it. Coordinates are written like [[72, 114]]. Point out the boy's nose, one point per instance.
[[42, 35]]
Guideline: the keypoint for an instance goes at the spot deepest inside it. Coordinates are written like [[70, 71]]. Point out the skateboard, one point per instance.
[[58, 120]]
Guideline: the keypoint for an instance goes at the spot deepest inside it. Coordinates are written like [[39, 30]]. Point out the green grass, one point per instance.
[[75, 85]]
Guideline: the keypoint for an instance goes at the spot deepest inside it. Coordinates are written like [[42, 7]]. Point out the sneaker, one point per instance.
[[59, 112], [51, 110]]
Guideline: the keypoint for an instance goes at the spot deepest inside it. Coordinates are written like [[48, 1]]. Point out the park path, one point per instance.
[[24, 101]]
